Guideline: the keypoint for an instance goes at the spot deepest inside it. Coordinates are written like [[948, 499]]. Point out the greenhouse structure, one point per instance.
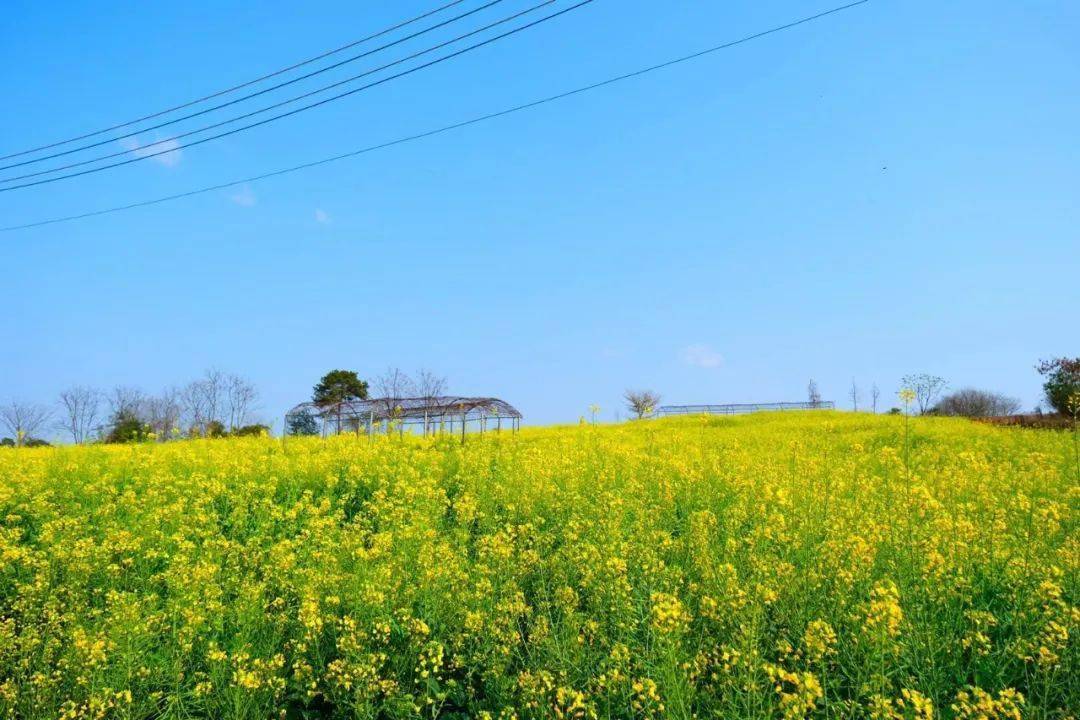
[[427, 415]]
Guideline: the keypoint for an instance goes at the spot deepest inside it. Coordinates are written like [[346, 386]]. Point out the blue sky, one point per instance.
[[889, 190]]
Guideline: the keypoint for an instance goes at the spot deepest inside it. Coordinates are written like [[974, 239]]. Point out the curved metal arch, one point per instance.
[[430, 411]]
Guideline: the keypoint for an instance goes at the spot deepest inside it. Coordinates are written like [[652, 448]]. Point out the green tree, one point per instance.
[[302, 423], [336, 387], [339, 386], [1062, 381], [126, 427]]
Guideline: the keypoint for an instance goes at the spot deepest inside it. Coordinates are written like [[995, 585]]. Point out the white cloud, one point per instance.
[[245, 197], [702, 356], [322, 217], [170, 151]]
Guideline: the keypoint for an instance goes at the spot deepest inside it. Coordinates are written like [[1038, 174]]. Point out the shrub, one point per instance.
[[254, 430], [127, 427], [970, 402], [215, 429]]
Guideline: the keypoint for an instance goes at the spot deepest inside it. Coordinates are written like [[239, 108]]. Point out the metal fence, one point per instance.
[[741, 408]]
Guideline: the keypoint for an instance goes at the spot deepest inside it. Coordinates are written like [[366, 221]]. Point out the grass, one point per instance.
[[790, 565]]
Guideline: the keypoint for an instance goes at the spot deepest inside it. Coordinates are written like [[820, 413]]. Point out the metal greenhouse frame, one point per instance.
[[740, 408], [432, 414]]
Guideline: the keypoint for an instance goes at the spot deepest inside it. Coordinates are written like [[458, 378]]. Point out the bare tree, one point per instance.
[[854, 395], [641, 402], [126, 400], [813, 395], [875, 394], [429, 385], [927, 389], [193, 411], [163, 412], [393, 386], [214, 384], [240, 398], [80, 406], [204, 401], [127, 414], [23, 419]]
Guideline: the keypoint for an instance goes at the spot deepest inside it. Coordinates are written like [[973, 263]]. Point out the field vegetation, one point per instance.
[[775, 566]]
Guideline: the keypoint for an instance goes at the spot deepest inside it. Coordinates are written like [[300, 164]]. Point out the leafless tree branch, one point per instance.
[[80, 406], [23, 419], [392, 387], [641, 402]]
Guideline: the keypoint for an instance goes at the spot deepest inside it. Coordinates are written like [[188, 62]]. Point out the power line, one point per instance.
[[310, 106], [272, 88], [445, 128], [234, 88], [143, 155]]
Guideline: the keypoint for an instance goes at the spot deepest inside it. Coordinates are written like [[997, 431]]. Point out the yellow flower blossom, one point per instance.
[[791, 565]]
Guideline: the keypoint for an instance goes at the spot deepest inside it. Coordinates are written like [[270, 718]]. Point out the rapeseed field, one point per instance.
[[789, 566]]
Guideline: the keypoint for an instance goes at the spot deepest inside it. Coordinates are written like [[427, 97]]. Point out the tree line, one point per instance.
[[219, 404], [1061, 393], [214, 405], [930, 396]]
